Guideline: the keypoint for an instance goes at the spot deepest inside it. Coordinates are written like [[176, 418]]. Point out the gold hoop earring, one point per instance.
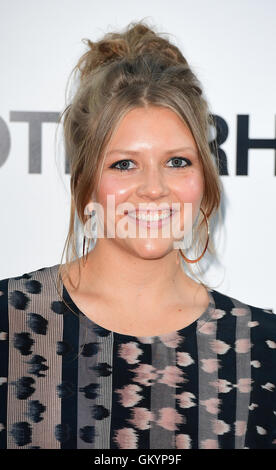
[[83, 249], [202, 254]]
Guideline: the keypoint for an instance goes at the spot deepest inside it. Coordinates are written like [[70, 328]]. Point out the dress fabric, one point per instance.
[[68, 383]]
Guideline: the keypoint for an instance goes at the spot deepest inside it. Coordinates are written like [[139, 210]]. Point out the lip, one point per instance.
[[154, 223], [151, 211]]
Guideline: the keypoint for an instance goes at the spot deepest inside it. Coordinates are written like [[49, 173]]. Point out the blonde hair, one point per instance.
[[133, 68]]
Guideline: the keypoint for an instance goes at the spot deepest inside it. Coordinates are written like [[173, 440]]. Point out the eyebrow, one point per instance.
[[134, 152]]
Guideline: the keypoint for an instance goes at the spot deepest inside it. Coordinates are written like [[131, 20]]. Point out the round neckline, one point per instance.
[[164, 337]]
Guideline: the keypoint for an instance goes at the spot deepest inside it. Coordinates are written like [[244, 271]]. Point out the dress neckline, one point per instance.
[[165, 337]]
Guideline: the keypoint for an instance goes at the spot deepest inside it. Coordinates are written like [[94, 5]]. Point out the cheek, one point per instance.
[[190, 189], [117, 187]]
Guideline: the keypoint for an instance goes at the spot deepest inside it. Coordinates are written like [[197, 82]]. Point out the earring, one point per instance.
[[195, 260], [83, 248], [92, 235]]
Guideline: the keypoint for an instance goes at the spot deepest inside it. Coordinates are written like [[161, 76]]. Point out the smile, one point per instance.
[[151, 218]]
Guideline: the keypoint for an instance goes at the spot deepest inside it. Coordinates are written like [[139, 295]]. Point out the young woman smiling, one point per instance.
[[141, 167], [126, 350]]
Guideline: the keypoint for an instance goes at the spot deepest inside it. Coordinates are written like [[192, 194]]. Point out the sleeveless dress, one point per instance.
[[68, 383]]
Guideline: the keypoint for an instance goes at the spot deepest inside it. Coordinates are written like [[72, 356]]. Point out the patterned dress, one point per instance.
[[68, 383]]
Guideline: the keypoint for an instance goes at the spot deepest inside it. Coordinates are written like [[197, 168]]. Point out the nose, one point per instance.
[[153, 184]]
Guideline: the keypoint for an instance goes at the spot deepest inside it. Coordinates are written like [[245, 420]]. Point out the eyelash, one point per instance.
[[113, 166]]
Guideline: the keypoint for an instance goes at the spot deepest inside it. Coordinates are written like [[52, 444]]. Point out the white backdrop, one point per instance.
[[231, 48]]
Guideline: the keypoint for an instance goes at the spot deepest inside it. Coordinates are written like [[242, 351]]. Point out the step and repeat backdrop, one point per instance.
[[231, 48]]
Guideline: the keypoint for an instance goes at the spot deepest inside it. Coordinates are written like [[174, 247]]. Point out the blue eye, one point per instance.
[[124, 163], [121, 162], [180, 160]]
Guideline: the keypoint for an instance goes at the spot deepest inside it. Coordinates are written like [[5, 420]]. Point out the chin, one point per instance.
[[153, 249]]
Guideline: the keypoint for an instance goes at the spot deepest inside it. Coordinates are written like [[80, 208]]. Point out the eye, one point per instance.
[[179, 160], [123, 163]]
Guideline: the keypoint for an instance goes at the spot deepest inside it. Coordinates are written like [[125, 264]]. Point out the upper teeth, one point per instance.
[[150, 217]]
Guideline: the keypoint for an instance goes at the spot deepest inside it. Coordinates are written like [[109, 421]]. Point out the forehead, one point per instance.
[[149, 128]]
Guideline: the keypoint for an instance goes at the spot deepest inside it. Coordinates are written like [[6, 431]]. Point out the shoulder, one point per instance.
[[27, 279], [16, 291], [264, 318], [233, 302]]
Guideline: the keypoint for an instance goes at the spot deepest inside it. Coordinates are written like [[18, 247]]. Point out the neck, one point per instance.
[[119, 274]]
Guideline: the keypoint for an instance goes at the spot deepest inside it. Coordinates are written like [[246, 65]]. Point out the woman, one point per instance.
[[120, 347]]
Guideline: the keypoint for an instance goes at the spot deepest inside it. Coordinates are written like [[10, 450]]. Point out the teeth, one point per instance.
[[153, 217]]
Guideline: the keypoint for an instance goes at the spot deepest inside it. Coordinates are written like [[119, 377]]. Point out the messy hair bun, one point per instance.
[[123, 70], [137, 40]]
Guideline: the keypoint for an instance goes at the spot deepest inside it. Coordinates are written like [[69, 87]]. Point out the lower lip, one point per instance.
[[155, 223]]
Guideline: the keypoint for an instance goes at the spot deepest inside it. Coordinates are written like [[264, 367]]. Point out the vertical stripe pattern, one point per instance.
[[68, 383]]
